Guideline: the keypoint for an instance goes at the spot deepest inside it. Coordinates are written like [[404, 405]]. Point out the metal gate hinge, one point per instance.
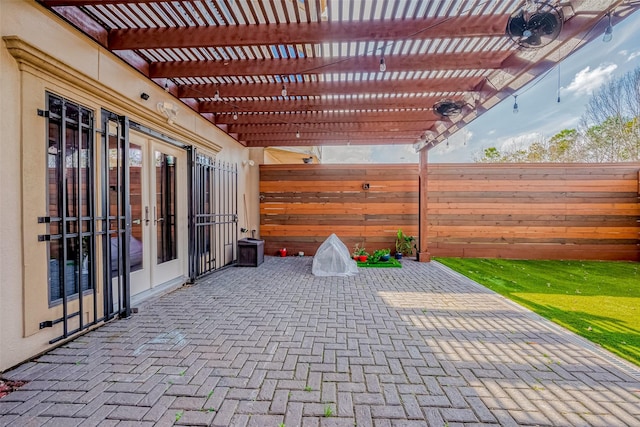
[[44, 219], [43, 113], [46, 324], [44, 238]]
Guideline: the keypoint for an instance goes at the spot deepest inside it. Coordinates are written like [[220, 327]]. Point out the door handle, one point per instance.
[[137, 221], [146, 215], [155, 218]]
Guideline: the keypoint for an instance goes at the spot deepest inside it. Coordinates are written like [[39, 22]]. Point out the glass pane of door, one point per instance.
[[165, 207], [136, 160]]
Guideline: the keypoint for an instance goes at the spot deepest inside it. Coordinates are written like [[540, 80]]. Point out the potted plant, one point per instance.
[[404, 244], [360, 254], [381, 255]]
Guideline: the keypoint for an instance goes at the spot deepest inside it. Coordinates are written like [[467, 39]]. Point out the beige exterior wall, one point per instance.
[[40, 53]]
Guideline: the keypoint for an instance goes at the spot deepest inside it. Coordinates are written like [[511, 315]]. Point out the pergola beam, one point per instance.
[[321, 136], [329, 140], [302, 33], [358, 64], [327, 117], [386, 126], [454, 84]]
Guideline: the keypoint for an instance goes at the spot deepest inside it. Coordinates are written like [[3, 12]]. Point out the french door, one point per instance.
[[158, 204]]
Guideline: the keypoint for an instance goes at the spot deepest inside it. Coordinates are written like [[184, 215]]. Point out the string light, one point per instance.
[[515, 104], [216, 97], [166, 86], [235, 115], [558, 82], [284, 91], [608, 32], [298, 134], [383, 65]]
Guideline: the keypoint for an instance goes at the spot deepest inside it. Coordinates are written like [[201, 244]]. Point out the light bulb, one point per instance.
[[166, 86], [515, 105], [297, 134], [216, 97], [284, 90], [235, 116], [383, 65]]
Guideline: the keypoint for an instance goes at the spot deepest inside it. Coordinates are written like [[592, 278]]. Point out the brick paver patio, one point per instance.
[[274, 345]]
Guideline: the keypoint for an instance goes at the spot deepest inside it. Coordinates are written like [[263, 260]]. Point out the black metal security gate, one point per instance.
[[214, 214], [115, 227], [71, 218]]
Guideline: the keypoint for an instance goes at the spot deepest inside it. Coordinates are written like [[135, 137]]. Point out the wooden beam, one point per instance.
[[319, 136], [425, 103], [85, 23], [305, 33], [328, 141], [386, 126], [454, 84], [423, 220], [357, 64], [326, 117], [58, 3]]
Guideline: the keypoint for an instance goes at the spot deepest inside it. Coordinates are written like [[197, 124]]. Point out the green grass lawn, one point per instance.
[[595, 299]]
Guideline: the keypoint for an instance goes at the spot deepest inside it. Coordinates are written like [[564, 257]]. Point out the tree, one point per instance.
[[609, 131], [610, 123], [557, 149], [563, 146], [490, 155]]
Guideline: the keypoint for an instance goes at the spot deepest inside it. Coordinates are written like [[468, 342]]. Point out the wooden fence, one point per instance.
[[532, 211], [301, 205]]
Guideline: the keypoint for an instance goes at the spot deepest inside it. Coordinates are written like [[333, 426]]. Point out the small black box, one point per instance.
[[250, 252]]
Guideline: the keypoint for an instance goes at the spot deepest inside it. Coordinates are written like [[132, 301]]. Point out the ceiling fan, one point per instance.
[[535, 24]]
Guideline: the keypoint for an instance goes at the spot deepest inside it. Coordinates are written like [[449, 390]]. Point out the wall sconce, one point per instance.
[[169, 109], [144, 96], [248, 162]]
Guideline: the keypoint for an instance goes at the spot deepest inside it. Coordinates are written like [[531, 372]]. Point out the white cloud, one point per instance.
[[587, 80], [520, 141], [633, 55]]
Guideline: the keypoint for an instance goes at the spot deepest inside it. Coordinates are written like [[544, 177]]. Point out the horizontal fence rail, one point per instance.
[[526, 211]]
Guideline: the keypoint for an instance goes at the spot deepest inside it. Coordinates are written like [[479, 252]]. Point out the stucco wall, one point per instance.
[[50, 55]]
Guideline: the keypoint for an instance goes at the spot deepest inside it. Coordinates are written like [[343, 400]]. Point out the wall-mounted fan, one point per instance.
[[535, 24], [448, 108]]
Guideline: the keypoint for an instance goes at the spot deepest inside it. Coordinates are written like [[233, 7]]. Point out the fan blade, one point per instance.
[[544, 23], [533, 40], [517, 25]]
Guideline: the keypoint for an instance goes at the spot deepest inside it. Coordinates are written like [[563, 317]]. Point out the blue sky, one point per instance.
[[540, 115]]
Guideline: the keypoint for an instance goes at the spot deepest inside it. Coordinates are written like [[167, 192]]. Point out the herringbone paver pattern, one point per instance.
[[273, 345]]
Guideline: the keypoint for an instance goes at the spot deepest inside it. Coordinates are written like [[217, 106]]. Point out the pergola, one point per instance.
[[340, 72]]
